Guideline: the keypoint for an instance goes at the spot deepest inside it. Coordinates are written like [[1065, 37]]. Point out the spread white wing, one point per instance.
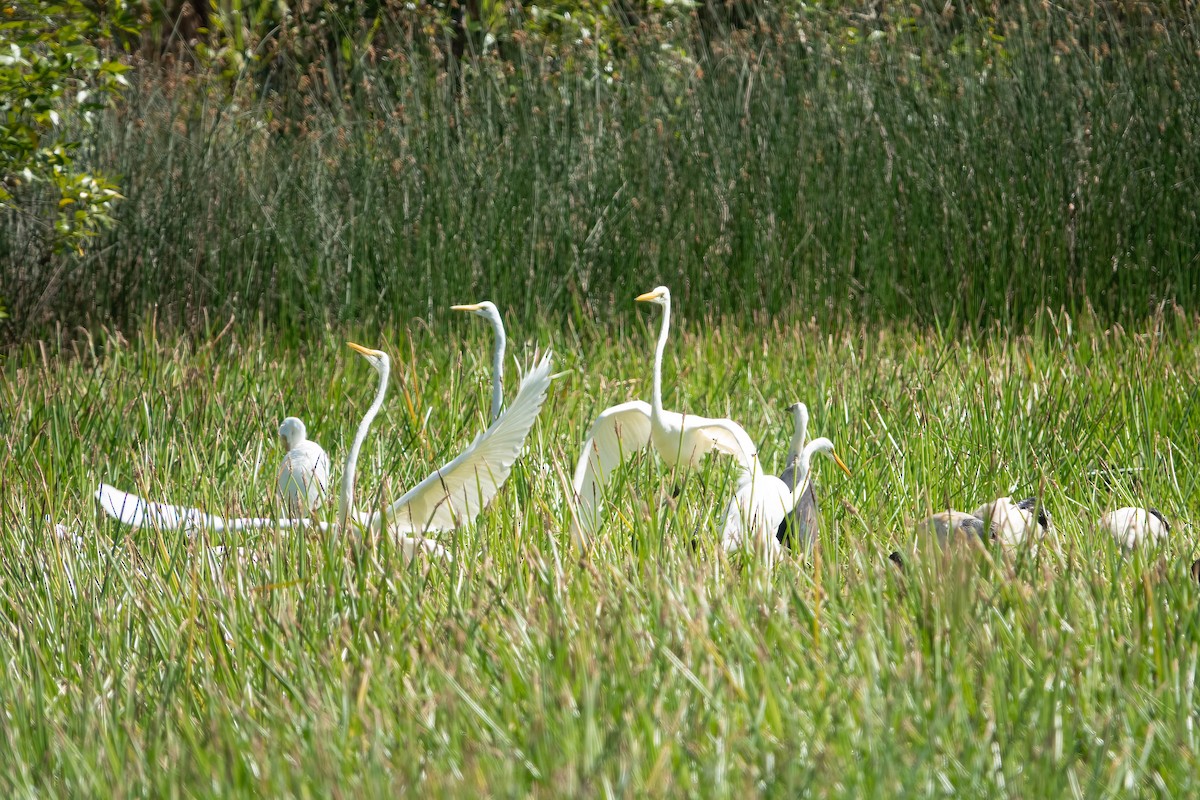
[[132, 510], [726, 436], [455, 494], [618, 433]]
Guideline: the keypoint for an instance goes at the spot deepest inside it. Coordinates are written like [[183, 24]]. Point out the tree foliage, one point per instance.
[[54, 77]]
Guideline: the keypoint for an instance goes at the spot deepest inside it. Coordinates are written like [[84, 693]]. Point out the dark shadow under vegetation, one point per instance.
[[954, 166]]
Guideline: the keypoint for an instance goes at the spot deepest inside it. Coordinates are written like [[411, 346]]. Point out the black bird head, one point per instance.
[[1155, 512], [898, 560], [1043, 517]]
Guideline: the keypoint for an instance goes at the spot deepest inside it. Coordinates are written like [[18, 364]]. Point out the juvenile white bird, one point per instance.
[[1131, 527], [304, 473], [625, 429]]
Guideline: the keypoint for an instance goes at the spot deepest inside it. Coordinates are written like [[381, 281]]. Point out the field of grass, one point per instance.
[[138, 663]]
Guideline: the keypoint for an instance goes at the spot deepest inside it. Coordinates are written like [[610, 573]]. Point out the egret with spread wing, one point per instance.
[[452, 496], [456, 493], [625, 429], [488, 311]]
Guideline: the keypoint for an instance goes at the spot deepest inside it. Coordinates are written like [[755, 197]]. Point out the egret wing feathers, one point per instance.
[[618, 433], [132, 510], [459, 490], [727, 437]]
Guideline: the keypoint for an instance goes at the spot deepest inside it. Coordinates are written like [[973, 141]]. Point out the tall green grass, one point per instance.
[[139, 663], [959, 174]]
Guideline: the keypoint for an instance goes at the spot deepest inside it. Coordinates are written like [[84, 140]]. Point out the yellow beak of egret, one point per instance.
[[472, 307], [365, 351], [840, 463], [647, 297]]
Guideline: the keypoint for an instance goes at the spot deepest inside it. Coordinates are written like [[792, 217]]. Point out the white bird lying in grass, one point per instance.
[[304, 473], [623, 430], [1131, 527], [1001, 521], [448, 498], [762, 503], [1011, 523]]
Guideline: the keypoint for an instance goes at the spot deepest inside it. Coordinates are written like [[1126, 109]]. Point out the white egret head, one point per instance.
[[376, 358], [799, 414], [660, 295], [825, 446], [486, 309]]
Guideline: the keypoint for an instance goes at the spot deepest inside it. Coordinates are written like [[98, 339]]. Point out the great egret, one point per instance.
[[1130, 527], [488, 311], [451, 496], [454, 494], [802, 526], [304, 474], [762, 503], [409, 545], [625, 429]]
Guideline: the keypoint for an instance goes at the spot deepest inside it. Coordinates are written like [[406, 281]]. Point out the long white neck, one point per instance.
[[804, 465], [346, 504], [799, 433], [498, 368], [656, 405]]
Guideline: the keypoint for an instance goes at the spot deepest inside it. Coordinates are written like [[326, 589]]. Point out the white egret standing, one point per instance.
[[622, 430], [1130, 527], [304, 473], [409, 545], [488, 311], [802, 526], [762, 503], [454, 494]]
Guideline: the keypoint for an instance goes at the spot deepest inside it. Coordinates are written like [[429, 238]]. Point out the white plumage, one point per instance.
[[449, 497], [625, 429], [456, 493], [1011, 523], [304, 473], [762, 502], [1131, 527], [132, 510]]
